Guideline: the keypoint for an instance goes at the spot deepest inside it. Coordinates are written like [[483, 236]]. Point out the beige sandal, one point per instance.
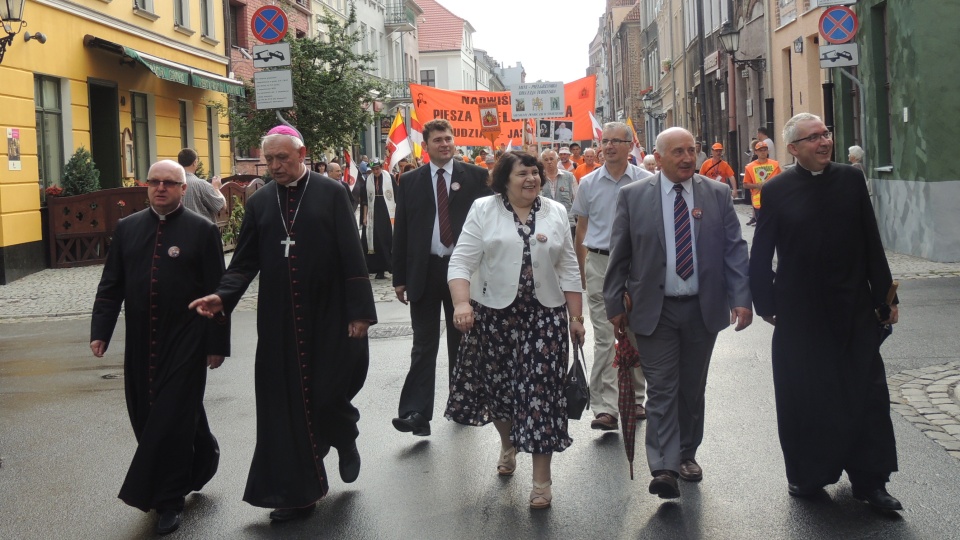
[[508, 462], [540, 495]]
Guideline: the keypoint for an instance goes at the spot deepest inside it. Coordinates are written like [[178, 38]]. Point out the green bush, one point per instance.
[[232, 230], [80, 174]]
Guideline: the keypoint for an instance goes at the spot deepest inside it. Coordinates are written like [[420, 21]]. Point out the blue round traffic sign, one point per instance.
[[269, 24], [838, 24]]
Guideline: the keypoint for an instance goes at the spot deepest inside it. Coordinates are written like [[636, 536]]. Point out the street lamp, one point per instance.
[[647, 101], [11, 12], [730, 41]]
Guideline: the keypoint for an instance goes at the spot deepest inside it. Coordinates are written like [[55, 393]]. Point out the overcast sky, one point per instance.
[[550, 38]]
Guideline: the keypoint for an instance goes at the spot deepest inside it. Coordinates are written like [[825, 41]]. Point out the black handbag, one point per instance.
[[576, 389]]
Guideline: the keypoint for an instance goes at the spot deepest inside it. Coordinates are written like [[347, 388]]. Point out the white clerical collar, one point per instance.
[[306, 171], [813, 173], [163, 217]]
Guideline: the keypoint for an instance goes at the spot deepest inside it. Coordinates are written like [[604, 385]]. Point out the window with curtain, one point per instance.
[[47, 102]]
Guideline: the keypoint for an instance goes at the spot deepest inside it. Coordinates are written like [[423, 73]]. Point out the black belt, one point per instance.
[[441, 257], [599, 251], [683, 298]]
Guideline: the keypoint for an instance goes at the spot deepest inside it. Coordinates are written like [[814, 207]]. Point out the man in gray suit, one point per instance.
[[677, 252]]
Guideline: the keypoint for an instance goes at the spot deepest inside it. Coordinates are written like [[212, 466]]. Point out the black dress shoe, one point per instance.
[[796, 490], [878, 498], [289, 514], [169, 521], [412, 422], [380, 276], [349, 464], [665, 486], [690, 470]]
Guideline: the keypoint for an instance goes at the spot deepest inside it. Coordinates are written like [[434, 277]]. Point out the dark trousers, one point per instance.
[[420, 385]]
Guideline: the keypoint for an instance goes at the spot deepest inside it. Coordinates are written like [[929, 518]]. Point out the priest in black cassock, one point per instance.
[[160, 259], [314, 307], [378, 207], [826, 299]]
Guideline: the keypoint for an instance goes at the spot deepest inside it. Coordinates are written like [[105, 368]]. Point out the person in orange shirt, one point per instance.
[[589, 164], [577, 156], [717, 169], [481, 159], [756, 173], [565, 163]]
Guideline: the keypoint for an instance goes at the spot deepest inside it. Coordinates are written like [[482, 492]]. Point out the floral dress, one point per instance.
[[512, 364]]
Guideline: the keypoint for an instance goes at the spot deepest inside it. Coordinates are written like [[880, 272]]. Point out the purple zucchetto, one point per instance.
[[285, 130]]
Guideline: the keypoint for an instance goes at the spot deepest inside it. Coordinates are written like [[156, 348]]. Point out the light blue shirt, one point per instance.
[[597, 200], [673, 285]]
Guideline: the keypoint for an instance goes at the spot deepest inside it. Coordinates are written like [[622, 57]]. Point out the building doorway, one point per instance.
[[105, 131]]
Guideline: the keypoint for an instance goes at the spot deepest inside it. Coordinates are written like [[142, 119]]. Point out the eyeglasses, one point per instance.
[[815, 137], [169, 184], [605, 142]]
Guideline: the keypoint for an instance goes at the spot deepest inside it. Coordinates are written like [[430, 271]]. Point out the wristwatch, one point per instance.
[[577, 318]]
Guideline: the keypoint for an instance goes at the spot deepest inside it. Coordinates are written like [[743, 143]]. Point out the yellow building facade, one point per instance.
[[130, 81]]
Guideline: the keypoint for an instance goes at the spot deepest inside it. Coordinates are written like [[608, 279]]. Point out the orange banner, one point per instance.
[[460, 109]]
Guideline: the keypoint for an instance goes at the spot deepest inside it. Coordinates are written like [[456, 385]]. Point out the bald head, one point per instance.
[[334, 171], [676, 154]]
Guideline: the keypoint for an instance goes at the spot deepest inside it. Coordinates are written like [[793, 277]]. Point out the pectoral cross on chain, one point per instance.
[[287, 243]]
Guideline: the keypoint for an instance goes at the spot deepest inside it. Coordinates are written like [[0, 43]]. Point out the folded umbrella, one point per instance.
[[626, 359]]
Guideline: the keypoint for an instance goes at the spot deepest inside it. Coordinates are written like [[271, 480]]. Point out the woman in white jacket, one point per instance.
[[516, 293]]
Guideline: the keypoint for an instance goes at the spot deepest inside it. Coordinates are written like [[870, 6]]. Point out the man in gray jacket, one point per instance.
[[677, 252]]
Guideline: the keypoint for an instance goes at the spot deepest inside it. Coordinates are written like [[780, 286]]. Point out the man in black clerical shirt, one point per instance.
[[831, 291], [314, 306], [161, 258]]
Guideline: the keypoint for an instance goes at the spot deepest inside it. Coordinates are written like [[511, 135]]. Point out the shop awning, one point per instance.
[[170, 71]]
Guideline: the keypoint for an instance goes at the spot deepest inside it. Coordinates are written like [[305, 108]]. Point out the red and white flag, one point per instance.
[[597, 128], [637, 151], [398, 143], [350, 171]]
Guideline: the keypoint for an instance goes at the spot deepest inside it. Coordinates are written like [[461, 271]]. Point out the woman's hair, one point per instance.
[[856, 152], [501, 171]]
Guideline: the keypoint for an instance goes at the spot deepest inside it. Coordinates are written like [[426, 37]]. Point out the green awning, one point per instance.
[[171, 71]]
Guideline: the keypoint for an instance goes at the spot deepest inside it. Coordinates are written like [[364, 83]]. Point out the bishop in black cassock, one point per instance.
[[159, 260], [314, 306], [833, 407]]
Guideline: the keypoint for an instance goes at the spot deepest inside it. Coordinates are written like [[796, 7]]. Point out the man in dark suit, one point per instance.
[[432, 204], [677, 252]]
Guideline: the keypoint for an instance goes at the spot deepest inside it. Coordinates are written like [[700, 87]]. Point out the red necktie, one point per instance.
[[446, 233]]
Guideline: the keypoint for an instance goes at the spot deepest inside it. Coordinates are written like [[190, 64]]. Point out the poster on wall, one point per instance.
[[13, 149]]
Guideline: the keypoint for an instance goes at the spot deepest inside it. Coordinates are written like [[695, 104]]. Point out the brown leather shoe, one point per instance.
[[664, 485], [641, 412], [604, 421], [690, 470]]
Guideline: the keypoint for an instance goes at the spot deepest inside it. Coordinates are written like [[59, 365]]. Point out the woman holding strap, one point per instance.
[[516, 293]]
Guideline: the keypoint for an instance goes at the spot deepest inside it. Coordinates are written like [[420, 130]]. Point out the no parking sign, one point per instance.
[[269, 24], [838, 24]]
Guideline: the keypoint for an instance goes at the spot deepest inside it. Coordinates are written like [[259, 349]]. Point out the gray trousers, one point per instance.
[[675, 360]]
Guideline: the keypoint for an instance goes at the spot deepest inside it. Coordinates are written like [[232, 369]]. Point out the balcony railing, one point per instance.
[[399, 90], [399, 17]]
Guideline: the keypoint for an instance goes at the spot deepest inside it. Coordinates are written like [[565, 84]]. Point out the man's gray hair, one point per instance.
[[621, 126], [856, 152], [545, 150], [790, 128], [174, 164], [297, 143]]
